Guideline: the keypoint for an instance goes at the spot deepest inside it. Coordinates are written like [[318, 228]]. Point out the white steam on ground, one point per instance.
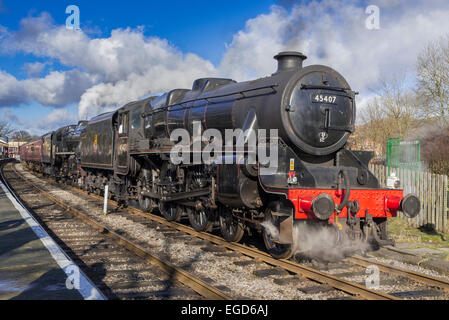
[[323, 243], [320, 243]]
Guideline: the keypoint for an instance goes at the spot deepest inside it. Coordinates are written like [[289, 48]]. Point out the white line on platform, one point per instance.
[[86, 288]]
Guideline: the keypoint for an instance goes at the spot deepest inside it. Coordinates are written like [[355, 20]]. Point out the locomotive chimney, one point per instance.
[[289, 61]]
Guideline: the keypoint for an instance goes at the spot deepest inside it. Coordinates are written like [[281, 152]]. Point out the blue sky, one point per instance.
[[51, 76]]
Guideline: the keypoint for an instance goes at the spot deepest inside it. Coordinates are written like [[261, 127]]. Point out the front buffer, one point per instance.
[[357, 216]]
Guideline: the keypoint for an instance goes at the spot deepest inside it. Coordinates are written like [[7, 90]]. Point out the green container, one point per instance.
[[404, 154]]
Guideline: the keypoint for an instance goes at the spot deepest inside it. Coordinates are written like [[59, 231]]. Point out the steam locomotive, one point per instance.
[[317, 182]]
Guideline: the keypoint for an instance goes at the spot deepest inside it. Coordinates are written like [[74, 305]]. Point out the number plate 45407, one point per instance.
[[323, 98]]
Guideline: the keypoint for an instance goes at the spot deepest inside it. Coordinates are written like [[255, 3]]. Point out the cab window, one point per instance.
[[136, 118], [123, 128], [148, 120]]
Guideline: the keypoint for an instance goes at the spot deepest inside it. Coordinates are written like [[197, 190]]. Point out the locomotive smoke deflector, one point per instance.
[[290, 61]]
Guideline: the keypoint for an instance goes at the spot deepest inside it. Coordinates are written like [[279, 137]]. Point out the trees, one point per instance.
[[5, 129], [433, 80], [435, 150], [433, 88], [400, 106], [392, 113], [21, 136], [372, 134], [400, 110]]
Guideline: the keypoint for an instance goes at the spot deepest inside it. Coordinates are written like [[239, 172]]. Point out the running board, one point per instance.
[[177, 196]]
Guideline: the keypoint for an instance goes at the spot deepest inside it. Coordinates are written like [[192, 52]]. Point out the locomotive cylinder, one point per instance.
[[236, 188]]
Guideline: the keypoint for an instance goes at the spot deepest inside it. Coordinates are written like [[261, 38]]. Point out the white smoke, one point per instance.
[[324, 242], [314, 240], [178, 72], [271, 229]]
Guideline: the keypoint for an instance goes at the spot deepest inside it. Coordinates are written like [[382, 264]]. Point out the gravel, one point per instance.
[[411, 267]]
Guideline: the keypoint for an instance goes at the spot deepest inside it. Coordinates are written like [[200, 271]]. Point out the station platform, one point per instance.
[[32, 266]]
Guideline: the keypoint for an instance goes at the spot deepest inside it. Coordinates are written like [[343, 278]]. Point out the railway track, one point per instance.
[[98, 250], [350, 287], [294, 267], [420, 277]]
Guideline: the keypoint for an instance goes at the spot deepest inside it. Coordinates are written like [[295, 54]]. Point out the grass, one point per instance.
[[403, 233], [446, 256]]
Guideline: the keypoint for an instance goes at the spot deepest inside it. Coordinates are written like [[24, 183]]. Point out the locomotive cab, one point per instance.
[[130, 136], [156, 117]]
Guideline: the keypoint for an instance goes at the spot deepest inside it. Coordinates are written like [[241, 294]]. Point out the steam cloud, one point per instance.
[[323, 243], [319, 242]]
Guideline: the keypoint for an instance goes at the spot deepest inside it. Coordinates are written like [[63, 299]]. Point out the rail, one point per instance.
[[198, 285]]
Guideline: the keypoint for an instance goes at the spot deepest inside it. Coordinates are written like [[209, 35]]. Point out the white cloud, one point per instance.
[[9, 117], [10, 93], [57, 119], [178, 72], [34, 69], [128, 65], [333, 33], [56, 89]]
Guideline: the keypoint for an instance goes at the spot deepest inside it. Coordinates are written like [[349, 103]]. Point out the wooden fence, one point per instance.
[[431, 189]]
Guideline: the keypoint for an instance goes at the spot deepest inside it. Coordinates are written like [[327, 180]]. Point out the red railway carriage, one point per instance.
[[32, 152]]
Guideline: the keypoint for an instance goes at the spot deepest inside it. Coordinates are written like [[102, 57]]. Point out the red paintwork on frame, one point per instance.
[[379, 203]]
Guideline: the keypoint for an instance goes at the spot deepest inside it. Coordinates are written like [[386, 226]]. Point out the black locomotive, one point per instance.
[[316, 182]]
